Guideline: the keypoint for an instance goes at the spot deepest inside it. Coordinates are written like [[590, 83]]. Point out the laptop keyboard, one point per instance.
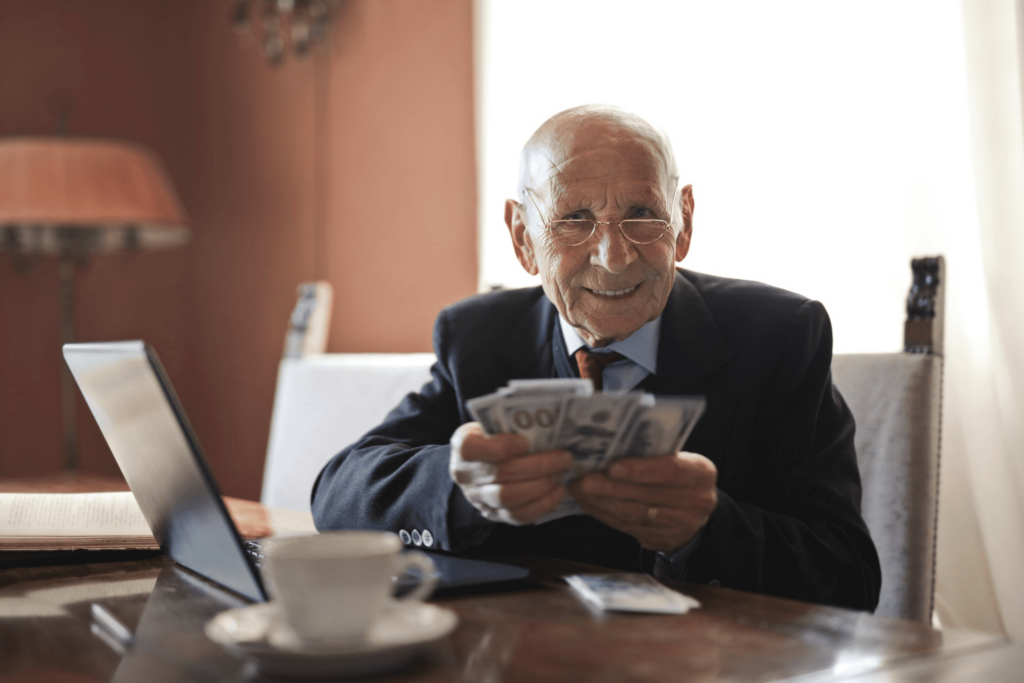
[[254, 549], [454, 572]]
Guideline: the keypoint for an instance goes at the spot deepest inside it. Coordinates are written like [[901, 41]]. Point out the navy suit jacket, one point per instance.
[[788, 517]]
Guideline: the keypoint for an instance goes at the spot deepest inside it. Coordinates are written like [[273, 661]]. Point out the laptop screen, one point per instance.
[[145, 426]]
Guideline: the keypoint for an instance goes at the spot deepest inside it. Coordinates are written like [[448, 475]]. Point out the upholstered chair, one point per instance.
[[896, 399]]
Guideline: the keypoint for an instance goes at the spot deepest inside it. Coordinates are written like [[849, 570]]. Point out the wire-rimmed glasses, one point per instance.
[[572, 233]]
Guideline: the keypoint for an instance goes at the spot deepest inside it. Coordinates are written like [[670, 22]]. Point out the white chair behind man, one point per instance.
[[324, 403]]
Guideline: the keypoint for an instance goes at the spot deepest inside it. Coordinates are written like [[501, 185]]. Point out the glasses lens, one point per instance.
[[644, 232], [571, 233]]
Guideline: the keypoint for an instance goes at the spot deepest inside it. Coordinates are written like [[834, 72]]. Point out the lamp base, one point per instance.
[[66, 270]]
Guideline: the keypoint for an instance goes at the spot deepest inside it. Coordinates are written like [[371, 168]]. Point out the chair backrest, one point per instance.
[[896, 399], [324, 403]]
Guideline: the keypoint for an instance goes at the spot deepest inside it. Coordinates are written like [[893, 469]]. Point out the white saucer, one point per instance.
[[261, 634]]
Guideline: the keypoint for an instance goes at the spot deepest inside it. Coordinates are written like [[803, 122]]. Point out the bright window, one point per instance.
[[827, 142]]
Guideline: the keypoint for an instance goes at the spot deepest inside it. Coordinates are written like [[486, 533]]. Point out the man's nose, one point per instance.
[[611, 250]]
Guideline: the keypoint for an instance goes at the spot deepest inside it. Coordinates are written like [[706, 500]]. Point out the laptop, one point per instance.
[[140, 416]]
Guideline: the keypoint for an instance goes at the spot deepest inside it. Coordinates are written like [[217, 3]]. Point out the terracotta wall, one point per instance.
[[356, 166], [122, 71]]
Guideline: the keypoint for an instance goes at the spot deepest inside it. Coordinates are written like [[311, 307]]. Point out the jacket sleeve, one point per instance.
[[396, 476], [794, 527]]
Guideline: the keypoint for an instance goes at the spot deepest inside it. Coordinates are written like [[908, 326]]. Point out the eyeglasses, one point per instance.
[[573, 233]]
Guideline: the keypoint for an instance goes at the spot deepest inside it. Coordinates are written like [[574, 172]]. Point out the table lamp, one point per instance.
[[76, 197]]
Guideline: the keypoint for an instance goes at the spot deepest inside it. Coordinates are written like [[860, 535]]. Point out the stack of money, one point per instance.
[[597, 428]]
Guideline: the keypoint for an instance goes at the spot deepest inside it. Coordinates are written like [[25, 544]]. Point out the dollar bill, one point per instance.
[[524, 387], [589, 426], [693, 407], [487, 411], [597, 429], [657, 428], [536, 417]]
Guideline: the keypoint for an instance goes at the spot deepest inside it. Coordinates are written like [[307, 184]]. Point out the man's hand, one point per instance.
[[662, 502], [501, 479]]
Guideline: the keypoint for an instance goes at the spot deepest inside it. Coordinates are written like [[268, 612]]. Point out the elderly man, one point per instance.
[[766, 497]]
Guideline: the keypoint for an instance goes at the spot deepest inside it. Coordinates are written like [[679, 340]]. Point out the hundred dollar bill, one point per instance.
[[655, 427], [597, 429], [534, 416], [658, 428], [589, 426], [487, 411], [694, 407], [546, 387]]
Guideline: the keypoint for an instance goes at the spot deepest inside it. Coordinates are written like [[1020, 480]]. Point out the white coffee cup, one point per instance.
[[333, 586]]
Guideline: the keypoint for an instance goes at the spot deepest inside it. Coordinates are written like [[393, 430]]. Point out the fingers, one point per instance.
[[662, 502], [660, 495], [686, 469], [501, 480], [638, 513], [480, 459], [667, 531], [512, 496], [529, 512], [516, 503], [536, 466], [520, 469], [605, 509], [533, 466], [471, 444], [475, 473], [656, 527]]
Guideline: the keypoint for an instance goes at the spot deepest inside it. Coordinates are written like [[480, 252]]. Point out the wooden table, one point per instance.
[[540, 632]]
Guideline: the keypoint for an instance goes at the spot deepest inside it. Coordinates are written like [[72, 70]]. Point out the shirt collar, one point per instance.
[[641, 347]]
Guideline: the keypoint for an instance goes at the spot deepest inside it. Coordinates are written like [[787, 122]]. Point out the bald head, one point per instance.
[[571, 131], [597, 167]]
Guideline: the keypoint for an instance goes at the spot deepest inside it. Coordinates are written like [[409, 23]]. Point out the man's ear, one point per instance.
[[683, 238], [515, 219]]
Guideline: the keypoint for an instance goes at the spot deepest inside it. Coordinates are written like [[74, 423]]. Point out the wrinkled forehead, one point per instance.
[[572, 145]]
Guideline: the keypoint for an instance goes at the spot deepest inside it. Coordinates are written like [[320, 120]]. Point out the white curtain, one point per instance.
[[827, 143], [985, 361]]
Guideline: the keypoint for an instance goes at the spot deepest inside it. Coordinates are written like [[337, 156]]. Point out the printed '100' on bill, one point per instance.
[[535, 417]]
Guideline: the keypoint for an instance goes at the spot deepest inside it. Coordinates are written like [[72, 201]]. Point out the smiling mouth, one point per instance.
[[615, 293]]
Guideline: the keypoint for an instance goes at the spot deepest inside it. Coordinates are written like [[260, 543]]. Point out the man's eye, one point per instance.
[[576, 216], [641, 212]]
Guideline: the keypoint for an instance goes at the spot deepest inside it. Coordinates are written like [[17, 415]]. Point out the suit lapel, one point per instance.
[[690, 346], [690, 349], [564, 367], [535, 348]]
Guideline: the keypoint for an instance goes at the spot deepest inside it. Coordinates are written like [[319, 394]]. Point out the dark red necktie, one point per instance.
[[592, 365]]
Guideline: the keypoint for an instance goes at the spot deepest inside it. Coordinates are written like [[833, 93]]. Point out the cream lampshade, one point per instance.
[[116, 192], [75, 197]]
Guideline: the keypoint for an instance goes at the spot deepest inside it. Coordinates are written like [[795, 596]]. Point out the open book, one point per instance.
[[113, 521], [71, 521]]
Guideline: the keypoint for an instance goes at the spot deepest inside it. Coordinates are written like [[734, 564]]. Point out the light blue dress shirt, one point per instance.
[[641, 359], [639, 348]]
